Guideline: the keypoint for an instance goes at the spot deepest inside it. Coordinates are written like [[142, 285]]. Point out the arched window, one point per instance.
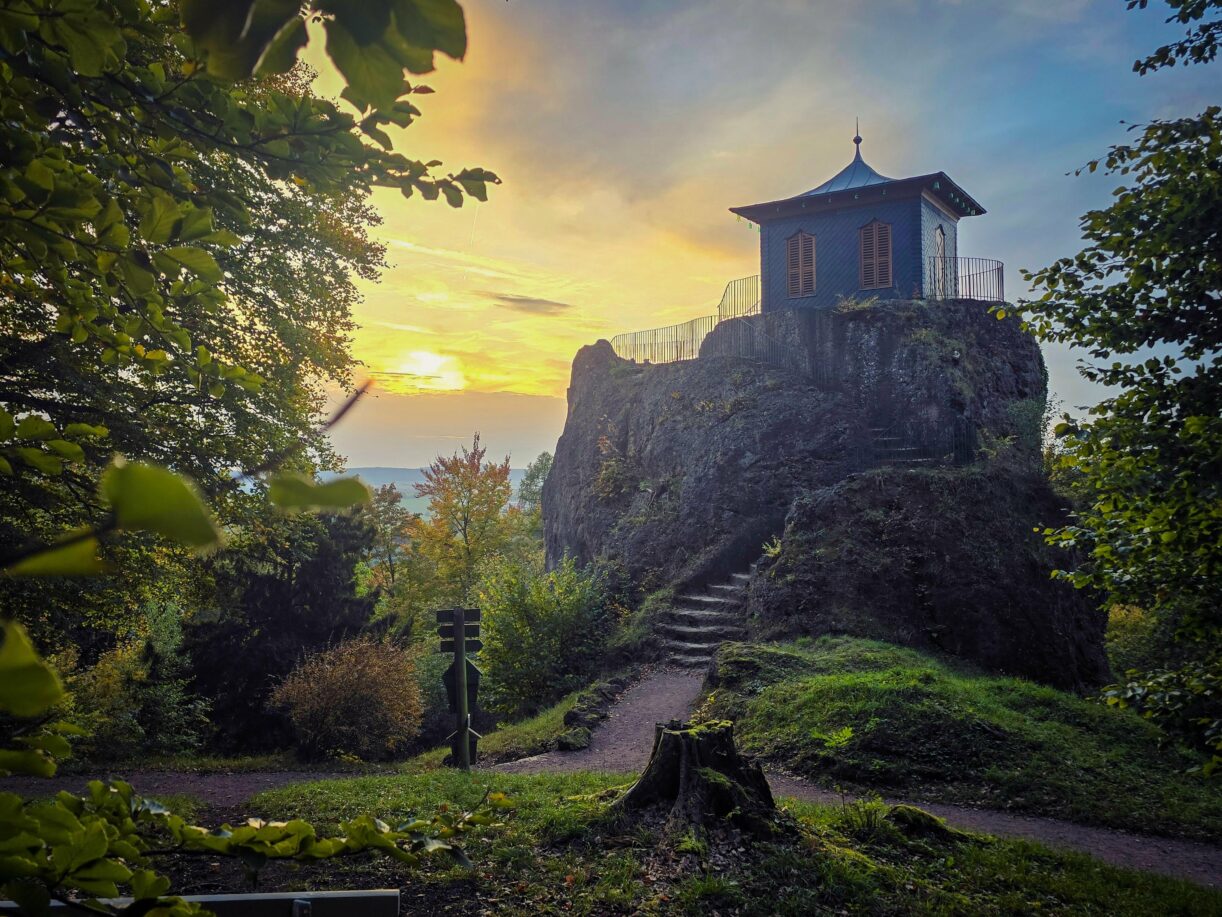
[[875, 247], [939, 263], [800, 264]]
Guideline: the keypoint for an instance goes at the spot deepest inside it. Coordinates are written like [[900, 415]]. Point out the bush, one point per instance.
[[542, 633], [135, 700], [360, 697]]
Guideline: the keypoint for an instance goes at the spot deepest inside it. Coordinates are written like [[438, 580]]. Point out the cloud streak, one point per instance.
[[532, 305]]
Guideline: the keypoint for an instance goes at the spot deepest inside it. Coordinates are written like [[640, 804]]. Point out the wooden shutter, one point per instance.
[[883, 262], [808, 263], [869, 248], [875, 255], [793, 266], [800, 264]]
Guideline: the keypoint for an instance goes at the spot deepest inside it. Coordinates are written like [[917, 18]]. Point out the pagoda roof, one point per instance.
[[857, 174], [858, 183]]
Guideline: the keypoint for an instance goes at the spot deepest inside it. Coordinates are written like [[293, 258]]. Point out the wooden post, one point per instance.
[[463, 723]]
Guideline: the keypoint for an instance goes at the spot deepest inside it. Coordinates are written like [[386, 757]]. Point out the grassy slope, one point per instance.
[[558, 853], [870, 716], [531, 736]]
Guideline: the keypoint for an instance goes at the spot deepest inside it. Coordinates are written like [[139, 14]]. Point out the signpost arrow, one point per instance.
[[446, 615], [446, 631], [459, 632], [449, 646]]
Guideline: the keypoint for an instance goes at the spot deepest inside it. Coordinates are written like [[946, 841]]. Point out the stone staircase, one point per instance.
[[890, 449], [697, 623]]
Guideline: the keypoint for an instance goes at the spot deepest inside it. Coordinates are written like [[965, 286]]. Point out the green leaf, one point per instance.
[[38, 174], [36, 458], [139, 279], [433, 24], [29, 763], [295, 491], [54, 745], [159, 218], [372, 73], [146, 497], [237, 33], [77, 558], [85, 431], [71, 451], [34, 427], [197, 261], [281, 54], [147, 884], [196, 224], [28, 686]]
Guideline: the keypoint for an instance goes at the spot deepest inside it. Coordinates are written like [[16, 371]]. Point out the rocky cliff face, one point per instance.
[[676, 475]]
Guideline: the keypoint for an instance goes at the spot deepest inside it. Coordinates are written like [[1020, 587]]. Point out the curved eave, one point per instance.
[[938, 185]]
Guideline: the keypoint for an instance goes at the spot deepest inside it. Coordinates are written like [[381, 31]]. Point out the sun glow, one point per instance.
[[423, 371]]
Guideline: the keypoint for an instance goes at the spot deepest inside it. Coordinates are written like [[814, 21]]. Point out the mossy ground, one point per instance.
[[559, 852], [872, 717]]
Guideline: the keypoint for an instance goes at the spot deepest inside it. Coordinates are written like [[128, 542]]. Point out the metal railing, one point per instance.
[[741, 297], [665, 345], [982, 279], [946, 278]]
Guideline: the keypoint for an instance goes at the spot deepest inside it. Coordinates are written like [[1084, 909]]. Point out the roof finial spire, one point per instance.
[[857, 137]]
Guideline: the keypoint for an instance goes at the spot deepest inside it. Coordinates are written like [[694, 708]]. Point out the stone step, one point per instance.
[[743, 578], [689, 662], [735, 588], [682, 647], [909, 461], [708, 599], [690, 617], [714, 633]]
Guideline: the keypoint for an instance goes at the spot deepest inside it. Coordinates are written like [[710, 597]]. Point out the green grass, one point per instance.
[[531, 736], [558, 852], [871, 716]]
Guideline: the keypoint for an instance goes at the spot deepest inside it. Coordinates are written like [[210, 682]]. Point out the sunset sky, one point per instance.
[[624, 130]]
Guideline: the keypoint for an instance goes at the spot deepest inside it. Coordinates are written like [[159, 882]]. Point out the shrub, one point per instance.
[[360, 697], [135, 700], [543, 633]]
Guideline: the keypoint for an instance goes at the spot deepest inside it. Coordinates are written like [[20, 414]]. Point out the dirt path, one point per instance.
[[624, 743]]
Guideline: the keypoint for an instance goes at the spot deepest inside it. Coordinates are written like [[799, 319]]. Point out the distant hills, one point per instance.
[[404, 478]]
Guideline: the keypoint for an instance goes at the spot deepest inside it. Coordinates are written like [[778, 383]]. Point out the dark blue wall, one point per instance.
[[837, 267]]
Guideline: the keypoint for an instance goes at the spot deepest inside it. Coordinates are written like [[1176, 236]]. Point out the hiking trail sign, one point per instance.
[[459, 632]]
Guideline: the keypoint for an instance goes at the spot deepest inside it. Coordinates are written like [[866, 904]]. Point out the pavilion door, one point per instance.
[[941, 285]]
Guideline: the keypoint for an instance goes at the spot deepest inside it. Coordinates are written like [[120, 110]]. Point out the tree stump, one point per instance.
[[696, 773]]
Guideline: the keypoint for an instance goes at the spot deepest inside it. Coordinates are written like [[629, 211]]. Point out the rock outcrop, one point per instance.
[[676, 475]]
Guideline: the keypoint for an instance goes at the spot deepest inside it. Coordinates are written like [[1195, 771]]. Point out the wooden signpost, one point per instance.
[[459, 632]]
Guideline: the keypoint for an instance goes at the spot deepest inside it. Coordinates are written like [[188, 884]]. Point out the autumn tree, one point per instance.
[[467, 500], [404, 577], [391, 522]]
